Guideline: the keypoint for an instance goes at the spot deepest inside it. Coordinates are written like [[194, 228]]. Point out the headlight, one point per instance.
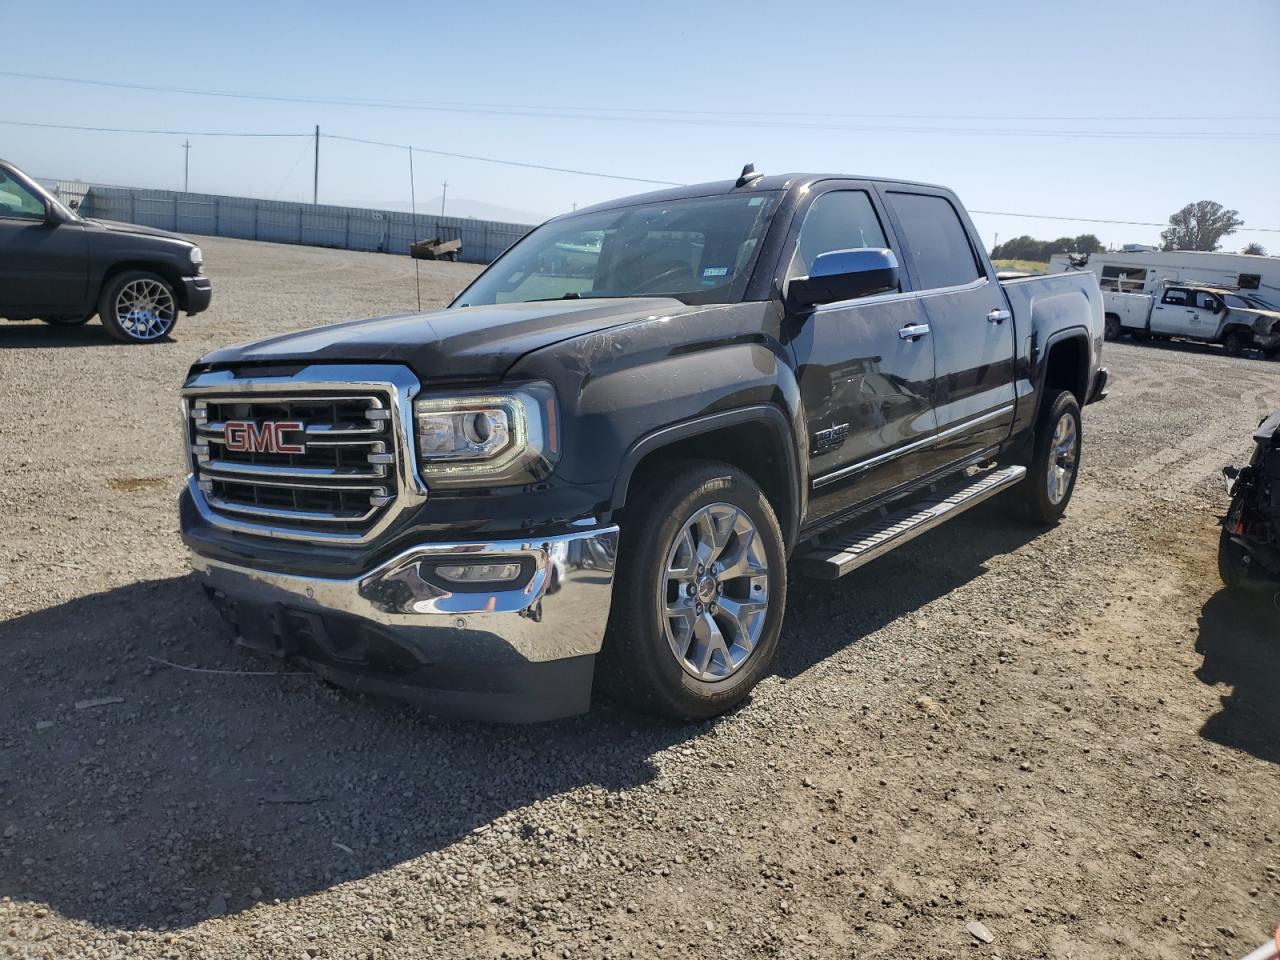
[[197, 256], [498, 437]]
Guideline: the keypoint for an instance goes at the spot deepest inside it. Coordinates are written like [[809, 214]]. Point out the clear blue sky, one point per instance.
[[827, 63]]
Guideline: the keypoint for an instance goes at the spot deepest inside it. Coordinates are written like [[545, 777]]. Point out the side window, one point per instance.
[[1207, 301], [1176, 297], [939, 245], [839, 220], [17, 202], [1123, 279]]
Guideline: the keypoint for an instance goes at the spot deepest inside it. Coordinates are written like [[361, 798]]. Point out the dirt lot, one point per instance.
[[1070, 737]]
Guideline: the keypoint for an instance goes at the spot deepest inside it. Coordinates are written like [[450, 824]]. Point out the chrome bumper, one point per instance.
[[558, 609]]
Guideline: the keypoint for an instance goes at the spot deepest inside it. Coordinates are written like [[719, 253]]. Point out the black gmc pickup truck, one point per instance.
[[607, 452], [63, 268]]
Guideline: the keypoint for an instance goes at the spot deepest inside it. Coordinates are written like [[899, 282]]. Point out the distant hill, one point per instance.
[[462, 207]]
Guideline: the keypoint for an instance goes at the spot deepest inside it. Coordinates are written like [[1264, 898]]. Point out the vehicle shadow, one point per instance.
[[1191, 346], [202, 793], [39, 334], [1240, 642], [824, 616]]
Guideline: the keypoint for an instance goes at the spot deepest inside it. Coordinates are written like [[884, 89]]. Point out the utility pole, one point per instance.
[[444, 190], [315, 178], [186, 167], [996, 242]]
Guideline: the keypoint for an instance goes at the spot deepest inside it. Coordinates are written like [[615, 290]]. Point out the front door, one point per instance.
[[44, 266], [865, 366], [1206, 316], [1174, 313], [973, 330]]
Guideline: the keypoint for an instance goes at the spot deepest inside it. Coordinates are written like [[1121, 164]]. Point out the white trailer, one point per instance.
[[1254, 276]]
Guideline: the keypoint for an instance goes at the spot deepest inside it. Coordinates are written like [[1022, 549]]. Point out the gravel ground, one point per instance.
[[1063, 742]]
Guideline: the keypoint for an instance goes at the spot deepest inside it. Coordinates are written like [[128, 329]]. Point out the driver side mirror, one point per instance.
[[844, 275]]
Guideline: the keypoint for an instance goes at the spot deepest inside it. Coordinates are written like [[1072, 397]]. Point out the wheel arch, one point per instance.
[[168, 271], [1067, 364], [756, 439]]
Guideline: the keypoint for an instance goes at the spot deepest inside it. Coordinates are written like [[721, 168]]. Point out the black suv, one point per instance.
[[63, 268]]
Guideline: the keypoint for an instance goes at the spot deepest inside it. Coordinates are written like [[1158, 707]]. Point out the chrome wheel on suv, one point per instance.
[[715, 592], [138, 307]]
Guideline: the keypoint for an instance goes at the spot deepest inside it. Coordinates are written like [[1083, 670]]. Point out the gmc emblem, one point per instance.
[[245, 436]]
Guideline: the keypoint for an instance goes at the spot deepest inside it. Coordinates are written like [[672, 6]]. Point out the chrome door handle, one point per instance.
[[998, 316], [914, 331]]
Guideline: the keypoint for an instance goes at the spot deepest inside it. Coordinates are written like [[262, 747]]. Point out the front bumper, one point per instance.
[[521, 653], [1099, 391], [197, 293]]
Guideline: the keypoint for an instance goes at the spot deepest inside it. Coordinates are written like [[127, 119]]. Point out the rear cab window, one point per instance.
[[932, 233]]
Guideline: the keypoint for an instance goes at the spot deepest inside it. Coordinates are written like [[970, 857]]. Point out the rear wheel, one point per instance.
[[1043, 496], [138, 307], [1232, 567], [699, 594], [1113, 328], [1237, 343]]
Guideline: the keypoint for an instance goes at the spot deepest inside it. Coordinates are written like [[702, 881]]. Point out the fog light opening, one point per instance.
[[479, 572]]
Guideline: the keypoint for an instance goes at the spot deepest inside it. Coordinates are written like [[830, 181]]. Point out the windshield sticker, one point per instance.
[[755, 201], [715, 271]]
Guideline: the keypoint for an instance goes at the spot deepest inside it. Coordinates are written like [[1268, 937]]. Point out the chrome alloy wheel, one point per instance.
[[145, 309], [715, 592], [1064, 452]]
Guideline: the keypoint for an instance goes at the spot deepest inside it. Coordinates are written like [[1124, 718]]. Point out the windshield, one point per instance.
[[1240, 302], [26, 200], [699, 250]]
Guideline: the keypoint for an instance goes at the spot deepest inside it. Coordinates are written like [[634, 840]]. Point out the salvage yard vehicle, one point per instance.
[[62, 268], [1191, 312], [1249, 550], [604, 462]]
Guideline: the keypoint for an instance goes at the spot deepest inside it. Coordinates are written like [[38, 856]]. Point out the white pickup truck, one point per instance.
[[1238, 321]]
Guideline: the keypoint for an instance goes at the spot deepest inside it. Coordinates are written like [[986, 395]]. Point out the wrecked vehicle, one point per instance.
[[1238, 321], [1249, 551], [610, 444]]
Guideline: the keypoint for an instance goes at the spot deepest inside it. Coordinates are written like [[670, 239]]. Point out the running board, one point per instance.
[[839, 555]]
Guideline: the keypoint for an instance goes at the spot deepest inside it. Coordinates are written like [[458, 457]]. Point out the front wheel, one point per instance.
[[138, 307], [1237, 342], [1051, 476], [699, 593]]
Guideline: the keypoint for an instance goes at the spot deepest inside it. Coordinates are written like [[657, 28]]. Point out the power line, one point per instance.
[[1127, 223], [727, 119], [172, 133], [510, 163], [538, 166]]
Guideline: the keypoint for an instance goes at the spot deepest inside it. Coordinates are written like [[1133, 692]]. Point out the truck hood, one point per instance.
[[116, 226], [465, 342]]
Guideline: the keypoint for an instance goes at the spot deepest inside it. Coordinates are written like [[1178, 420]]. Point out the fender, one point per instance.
[[770, 416], [1040, 359]]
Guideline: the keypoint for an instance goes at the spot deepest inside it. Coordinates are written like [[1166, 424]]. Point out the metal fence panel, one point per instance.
[[279, 221]]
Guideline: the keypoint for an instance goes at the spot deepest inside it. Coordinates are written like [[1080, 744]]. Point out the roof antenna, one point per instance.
[[748, 174]]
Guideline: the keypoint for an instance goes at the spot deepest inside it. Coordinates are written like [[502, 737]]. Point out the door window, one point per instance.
[[1207, 301], [839, 220], [938, 241], [1176, 297], [17, 202]]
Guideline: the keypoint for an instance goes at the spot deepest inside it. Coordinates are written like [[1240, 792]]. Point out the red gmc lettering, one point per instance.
[[245, 436]]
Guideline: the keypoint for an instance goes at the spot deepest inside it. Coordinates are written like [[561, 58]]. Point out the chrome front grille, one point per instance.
[[301, 457]]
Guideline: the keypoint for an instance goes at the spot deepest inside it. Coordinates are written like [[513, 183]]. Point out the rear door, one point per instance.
[[865, 366], [969, 320], [44, 267], [1174, 313]]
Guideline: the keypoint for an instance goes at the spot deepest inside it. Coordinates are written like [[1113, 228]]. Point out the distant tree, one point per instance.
[[1029, 248], [1256, 248], [1200, 226]]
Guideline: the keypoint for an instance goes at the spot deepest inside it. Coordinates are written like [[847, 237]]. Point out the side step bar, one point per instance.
[[841, 554]]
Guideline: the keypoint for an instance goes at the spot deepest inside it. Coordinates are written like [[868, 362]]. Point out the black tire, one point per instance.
[[1237, 343], [67, 321], [1231, 565], [1142, 336], [1113, 329], [140, 330], [1031, 498], [639, 664]]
